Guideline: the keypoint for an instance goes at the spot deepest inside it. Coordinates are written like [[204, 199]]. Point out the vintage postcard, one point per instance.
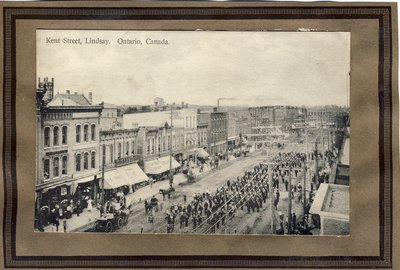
[[195, 132], [199, 135]]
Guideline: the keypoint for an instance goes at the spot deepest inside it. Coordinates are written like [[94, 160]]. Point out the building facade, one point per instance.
[[218, 136], [185, 119], [109, 119], [233, 137], [326, 116], [120, 146], [68, 147], [203, 124]]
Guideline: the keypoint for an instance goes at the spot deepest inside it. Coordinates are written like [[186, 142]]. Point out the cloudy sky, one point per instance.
[[253, 68]]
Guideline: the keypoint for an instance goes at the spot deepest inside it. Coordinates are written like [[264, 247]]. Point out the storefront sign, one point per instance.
[[56, 152], [63, 191]]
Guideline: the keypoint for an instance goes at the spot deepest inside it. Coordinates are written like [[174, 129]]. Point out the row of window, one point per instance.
[[56, 167], [48, 134], [163, 143], [56, 135], [78, 161], [318, 113], [85, 133], [58, 170], [190, 121], [129, 148]]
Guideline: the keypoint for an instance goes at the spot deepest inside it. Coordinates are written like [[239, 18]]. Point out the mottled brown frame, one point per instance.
[[382, 13]]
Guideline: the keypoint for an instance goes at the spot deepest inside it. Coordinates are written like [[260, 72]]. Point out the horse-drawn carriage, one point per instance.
[[111, 221], [167, 191]]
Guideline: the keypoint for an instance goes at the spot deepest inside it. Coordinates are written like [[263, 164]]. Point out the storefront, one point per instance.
[[50, 200], [159, 168], [134, 176], [202, 154], [86, 188], [114, 182]]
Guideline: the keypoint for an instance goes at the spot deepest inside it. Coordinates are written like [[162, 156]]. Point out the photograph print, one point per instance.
[[193, 132]]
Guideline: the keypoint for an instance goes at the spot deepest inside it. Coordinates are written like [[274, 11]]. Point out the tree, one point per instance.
[[131, 110]]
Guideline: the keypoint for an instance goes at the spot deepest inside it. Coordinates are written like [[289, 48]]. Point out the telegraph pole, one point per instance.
[[305, 174], [270, 197], [170, 151], [290, 202], [316, 161], [102, 177]]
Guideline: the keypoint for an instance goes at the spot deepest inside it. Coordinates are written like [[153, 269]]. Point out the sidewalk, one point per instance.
[[76, 223]]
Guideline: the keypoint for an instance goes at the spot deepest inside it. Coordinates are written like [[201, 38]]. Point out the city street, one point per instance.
[[242, 222]]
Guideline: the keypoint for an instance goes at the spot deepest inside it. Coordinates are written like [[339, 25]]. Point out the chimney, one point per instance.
[[68, 92], [215, 109], [187, 105], [90, 97], [75, 93], [182, 104]]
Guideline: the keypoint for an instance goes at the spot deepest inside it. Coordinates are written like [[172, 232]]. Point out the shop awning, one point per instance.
[[201, 153], [114, 179], [133, 174], [160, 165], [85, 179], [165, 162]]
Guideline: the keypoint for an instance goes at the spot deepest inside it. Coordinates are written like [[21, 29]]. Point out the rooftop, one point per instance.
[[332, 201], [69, 100]]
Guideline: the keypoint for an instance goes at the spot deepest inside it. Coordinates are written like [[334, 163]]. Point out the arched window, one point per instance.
[[78, 162], [127, 149], [85, 133], [93, 132], [47, 136], [119, 150], [64, 165], [93, 160], [111, 154], [55, 135], [46, 169], [64, 135], [78, 133], [56, 167], [86, 161]]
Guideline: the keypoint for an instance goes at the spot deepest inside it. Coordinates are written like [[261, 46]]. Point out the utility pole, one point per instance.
[[316, 161], [102, 177], [271, 209], [305, 174], [290, 202], [171, 181], [304, 189]]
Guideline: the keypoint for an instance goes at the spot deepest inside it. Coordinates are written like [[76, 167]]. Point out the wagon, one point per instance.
[[166, 191], [111, 221]]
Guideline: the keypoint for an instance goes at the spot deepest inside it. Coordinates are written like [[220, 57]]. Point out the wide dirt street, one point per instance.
[[243, 223]]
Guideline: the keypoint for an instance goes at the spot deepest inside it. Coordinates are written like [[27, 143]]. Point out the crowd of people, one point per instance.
[[208, 211]]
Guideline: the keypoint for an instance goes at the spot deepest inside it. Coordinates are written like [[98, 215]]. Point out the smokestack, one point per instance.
[[90, 97], [68, 92]]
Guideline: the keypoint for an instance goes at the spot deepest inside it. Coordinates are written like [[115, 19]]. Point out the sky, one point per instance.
[[198, 67]]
